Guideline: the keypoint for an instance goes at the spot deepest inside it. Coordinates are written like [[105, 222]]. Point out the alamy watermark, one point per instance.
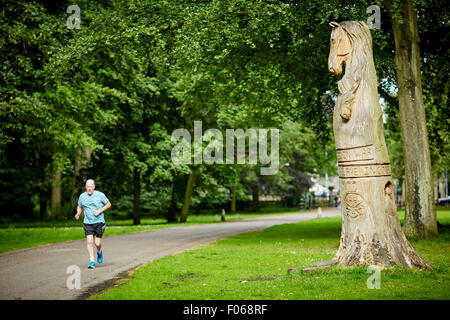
[[74, 280], [374, 21], [74, 20], [213, 153], [374, 281]]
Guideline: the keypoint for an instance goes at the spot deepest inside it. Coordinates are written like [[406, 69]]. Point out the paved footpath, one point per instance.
[[41, 272]]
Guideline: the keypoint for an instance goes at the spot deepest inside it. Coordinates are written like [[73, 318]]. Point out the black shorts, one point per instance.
[[95, 229]]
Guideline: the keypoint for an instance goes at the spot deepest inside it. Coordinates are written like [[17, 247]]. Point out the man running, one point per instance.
[[93, 204]]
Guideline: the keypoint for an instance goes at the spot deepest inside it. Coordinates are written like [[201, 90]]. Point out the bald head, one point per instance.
[[90, 186]]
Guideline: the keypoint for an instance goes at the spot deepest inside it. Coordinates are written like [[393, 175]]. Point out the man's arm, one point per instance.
[[79, 211], [106, 207]]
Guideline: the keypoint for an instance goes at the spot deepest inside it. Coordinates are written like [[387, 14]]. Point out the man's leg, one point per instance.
[[98, 243], [100, 228], [90, 246]]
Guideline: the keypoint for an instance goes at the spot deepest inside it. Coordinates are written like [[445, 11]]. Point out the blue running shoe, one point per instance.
[[100, 256], [91, 265]]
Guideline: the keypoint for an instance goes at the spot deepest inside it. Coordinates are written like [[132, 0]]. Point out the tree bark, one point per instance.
[[403, 190], [55, 200], [255, 199], [172, 211], [442, 183], [188, 194], [233, 201], [137, 197], [82, 159], [420, 216], [436, 195], [42, 204]]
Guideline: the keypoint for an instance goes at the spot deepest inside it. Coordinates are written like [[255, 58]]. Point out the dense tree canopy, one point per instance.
[[137, 70]]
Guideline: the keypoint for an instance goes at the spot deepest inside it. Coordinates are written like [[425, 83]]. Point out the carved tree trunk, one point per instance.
[[371, 232], [420, 215]]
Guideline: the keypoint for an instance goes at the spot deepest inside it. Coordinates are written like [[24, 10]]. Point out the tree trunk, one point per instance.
[[137, 197], [255, 199], [172, 211], [82, 159], [403, 191], [442, 183], [42, 204], [436, 195], [188, 194], [371, 232], [420, 216], [55, 201], [233, 201]]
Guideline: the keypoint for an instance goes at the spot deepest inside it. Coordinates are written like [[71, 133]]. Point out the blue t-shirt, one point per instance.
[[89, 203]]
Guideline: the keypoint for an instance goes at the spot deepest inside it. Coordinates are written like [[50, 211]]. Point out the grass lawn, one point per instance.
[[21, 235], [254, 266]]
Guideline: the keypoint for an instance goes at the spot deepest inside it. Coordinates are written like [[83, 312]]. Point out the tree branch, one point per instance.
[[390, 99]]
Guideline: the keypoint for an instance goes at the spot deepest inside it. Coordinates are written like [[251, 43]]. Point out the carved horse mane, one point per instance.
[[361, 41], [351, 43]]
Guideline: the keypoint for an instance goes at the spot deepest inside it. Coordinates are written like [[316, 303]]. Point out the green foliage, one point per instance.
[[137, 70]]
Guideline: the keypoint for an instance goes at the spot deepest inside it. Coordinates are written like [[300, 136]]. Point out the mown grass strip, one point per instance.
[[254, 266]]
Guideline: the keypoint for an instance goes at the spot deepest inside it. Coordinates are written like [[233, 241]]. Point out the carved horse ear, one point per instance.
[[334, 24]]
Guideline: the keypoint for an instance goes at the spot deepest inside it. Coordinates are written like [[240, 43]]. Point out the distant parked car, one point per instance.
[[444, 201]]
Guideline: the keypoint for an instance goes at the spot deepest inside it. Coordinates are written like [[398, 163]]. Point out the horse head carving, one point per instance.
[[350, 44], [340, 48]]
